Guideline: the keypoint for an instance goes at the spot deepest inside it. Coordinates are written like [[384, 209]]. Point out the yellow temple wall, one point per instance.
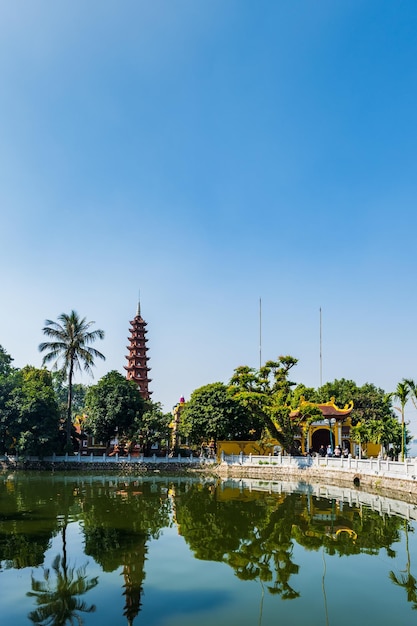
[[246, 447], [253, 447]]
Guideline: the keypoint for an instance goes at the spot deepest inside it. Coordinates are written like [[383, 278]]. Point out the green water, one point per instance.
[[179, 552]]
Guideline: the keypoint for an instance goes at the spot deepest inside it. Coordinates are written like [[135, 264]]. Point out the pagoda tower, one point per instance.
[[137, 359]]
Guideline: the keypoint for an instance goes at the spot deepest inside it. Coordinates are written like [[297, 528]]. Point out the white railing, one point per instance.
[[376, 467], [104, 458]]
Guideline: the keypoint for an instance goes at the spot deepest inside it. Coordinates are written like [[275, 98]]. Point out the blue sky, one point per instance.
[[209, 154]]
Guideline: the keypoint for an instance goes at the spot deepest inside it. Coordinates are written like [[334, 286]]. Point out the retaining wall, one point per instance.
[[394, 487]]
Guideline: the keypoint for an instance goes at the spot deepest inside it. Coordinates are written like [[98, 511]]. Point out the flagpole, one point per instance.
[[321, 354], [260, 333]]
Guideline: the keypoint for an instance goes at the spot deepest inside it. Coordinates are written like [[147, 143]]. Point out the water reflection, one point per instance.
[[119, 519], [255, 540], [260, 532], [405, 579], [58, 596]]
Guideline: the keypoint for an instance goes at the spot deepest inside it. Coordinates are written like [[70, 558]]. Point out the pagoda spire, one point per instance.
[[138, 307], [137, 360]]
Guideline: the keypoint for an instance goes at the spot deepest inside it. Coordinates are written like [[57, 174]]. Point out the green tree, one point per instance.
[[151, 426], [402, 394], [342, 390], [113, 405], [212, 413], [33, 417], [373, 419], [61, 391], [369, 401], [78, 400], [70, 345], [412, 385], [10, 379], [267, 394], [5, 362]]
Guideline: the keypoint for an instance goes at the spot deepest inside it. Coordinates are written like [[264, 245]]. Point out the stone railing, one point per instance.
[[103, 458], [406, 470]]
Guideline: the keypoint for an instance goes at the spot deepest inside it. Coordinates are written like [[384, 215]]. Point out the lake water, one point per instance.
[[179, 552]]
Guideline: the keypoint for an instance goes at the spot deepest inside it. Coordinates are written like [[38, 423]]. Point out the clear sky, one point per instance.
[[208, 154]]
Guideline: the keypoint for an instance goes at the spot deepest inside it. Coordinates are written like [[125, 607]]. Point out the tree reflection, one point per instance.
[[255, 532], [268, 552], [28, 521], [58, 596], [254, 539], [406, 580]]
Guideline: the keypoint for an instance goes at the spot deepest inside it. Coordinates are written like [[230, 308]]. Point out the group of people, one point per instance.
[[337, 452]]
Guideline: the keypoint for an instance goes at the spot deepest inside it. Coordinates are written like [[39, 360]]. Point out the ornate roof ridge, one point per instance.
[[327, 408]]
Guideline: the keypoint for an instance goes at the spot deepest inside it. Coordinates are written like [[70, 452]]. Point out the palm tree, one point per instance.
[[412, 385], [402, 393], [70, 345]]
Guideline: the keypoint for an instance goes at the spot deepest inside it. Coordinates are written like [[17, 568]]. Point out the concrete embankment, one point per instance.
[[397, 488], [393, 487], [119, 468]]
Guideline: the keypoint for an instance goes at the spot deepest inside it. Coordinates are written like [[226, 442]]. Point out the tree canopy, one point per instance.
[[112, 405], [5, 362], [151, 427], [29, 413], [213, 413], [373, 419], [268, 395]]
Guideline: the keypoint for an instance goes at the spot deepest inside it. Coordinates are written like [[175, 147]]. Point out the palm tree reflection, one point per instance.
[[58, 596], [406, 580]]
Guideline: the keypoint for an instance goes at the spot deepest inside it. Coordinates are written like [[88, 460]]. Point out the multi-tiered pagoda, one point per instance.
[[137, 367]]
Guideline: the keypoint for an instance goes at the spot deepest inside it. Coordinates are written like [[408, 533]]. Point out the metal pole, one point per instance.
[[321, 356], [260, 333]]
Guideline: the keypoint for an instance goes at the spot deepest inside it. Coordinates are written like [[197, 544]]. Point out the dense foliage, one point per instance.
[[151, 428], [268, 395], [112, 405], [213, 413], [373, 417], [257, 404], [29, 415]]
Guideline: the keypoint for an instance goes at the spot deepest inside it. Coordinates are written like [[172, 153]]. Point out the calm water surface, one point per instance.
[[179, 552]]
